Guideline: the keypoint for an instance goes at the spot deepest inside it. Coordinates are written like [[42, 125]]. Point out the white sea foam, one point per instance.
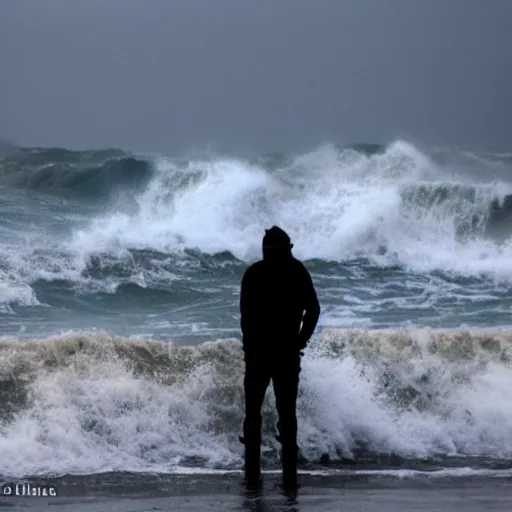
[[336, 205], [83, 402], [398, 207]]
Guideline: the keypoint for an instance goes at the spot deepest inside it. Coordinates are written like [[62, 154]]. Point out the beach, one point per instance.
[[139, 493], [121, 364]]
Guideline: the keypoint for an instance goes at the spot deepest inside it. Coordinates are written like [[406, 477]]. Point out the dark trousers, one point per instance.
[[284, 372]]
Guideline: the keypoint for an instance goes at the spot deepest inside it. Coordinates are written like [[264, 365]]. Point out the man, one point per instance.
[[279, 311]]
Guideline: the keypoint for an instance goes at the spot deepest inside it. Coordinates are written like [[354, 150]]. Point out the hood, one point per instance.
[[276, 244]]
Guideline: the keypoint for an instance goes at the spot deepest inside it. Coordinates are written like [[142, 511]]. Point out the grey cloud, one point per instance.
[[172, 75]]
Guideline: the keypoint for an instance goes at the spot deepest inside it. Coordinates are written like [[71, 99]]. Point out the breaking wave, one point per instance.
[[390, 206], [89, 402], [109, 221]]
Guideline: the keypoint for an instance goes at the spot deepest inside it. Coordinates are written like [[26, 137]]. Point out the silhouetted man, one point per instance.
[[279, 312]]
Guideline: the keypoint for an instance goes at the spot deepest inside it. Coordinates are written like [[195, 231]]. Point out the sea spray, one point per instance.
[[84, 402]]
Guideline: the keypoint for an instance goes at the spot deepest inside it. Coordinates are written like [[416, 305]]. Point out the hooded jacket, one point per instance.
[[279, 308]]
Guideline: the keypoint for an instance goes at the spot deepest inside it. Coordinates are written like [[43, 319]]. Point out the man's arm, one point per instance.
[[312, 314]]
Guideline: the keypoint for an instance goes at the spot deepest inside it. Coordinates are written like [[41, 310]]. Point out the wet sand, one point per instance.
[[226, 493]]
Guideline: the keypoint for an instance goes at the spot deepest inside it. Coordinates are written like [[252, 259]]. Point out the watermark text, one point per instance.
[[27, 489]]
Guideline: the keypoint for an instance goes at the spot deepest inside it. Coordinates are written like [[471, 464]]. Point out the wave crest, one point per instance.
[[86, 402], [389, 206]]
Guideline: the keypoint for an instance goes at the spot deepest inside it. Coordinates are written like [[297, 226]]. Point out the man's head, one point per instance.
[[276, 243]]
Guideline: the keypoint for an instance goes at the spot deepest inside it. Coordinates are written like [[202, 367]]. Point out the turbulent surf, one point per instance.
[[88, 403], [119, 282]]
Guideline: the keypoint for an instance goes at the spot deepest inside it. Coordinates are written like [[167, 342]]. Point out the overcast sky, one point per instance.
[[173, 75]]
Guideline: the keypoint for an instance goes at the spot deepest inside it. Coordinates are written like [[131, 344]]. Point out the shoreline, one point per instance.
[[120, 492]]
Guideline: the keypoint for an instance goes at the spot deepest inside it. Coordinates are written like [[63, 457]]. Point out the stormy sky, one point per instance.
[[173, 75]]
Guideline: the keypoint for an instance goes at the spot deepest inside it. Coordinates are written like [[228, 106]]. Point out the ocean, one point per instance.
[[120, 357]]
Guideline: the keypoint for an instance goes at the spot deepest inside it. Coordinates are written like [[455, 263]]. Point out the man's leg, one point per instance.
[[286, 383], [256, 381]]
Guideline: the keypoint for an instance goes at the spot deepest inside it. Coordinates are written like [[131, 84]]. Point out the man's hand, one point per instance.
[[301, 344]]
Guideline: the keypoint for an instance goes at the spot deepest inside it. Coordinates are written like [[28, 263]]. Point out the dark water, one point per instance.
[[155, 246], [119, 280]]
